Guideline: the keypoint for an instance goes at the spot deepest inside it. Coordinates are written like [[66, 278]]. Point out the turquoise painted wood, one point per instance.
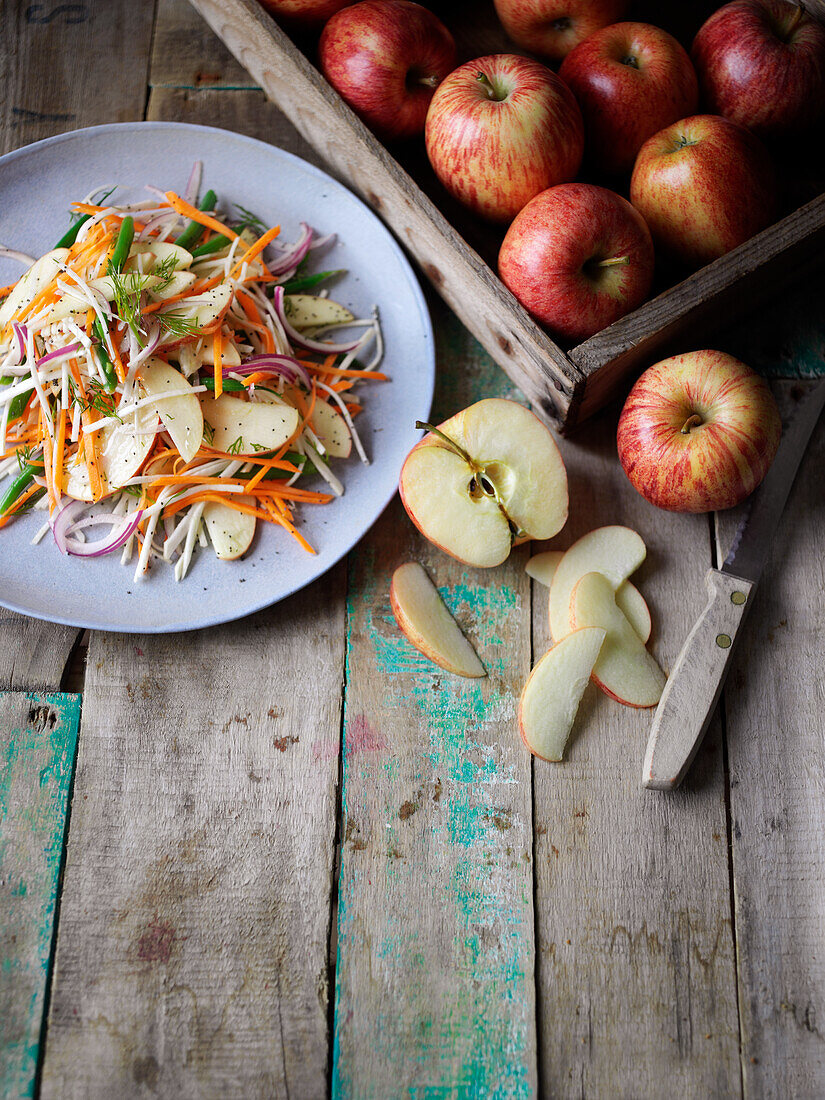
[[434, 983], [38, 739]]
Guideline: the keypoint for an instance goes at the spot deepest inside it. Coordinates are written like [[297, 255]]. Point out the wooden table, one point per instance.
[[289, 855]]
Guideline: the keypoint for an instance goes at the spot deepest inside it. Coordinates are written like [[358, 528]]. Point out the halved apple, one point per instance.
[[615, 552], [309, 311], [551, 696], [29, 285], [247, 427], [231, 531], [120, 454], [624, 669], [542, 567], [424, 619], [181, 415], [488, 476]]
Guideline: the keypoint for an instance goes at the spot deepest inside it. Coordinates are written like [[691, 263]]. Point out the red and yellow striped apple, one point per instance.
[[631, 80], [577, 257], [501, 129], [552, 28], [698, 432], [303, 14], [704, 185]]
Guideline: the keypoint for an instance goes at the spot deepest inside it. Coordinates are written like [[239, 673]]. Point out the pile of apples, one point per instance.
[[507, 136]]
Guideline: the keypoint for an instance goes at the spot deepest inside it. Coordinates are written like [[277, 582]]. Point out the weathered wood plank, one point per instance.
[[637, 989], [773, 704], [38, 736], [33, 654], [435, 992], [40, 48], [185, 53]]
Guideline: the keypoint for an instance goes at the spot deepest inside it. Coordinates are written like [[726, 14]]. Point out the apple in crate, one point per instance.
[[631, 80], [385, 58], [552, 28], [501, 129], [577, 257], [761, 63], [489, 476], [698, 432], [303, 14], [704, 185]]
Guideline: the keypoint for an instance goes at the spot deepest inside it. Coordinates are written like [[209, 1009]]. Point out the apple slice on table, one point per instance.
[[553, 691], [181, 414], [488, 476], [425, 621], [613, 551], [542, 567], [624, 669], [231, 531]]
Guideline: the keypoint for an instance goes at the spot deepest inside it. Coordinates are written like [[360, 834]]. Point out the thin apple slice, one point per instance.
[[231, 531], [615, 552], [551, 696], [204, 312], [247, 427], [331, 429], [230, 356], [309, 311], [181, 415], [29, 285], [158, 252], [624, 669], [178, 283], [542, 567], [424, 619], [121, 454]]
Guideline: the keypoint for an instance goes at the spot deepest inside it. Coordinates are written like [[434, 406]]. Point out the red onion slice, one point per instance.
[[70, 349], [193, 184], [22, 334], [284, 365], [300, 341], [65, 523], [293, 256]]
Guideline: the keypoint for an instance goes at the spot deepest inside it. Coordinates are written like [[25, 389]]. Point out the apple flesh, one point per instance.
[[624, 669], [489, 475], [425, 621], [552, 28], [761, 63], [629, 600], [577, 257], [615, 552], [501, 129], [704, 185], [698, 432], [181, 415], [551, 696], [631, 80], [385, 58], [231, 531]]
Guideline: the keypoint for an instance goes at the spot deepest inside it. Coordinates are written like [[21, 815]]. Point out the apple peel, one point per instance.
[[425, 621], [550, 698]]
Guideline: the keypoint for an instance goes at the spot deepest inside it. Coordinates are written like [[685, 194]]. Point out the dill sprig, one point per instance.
[[128, 287], [236, 446], [164, 270], [177, 325], [250, 219]]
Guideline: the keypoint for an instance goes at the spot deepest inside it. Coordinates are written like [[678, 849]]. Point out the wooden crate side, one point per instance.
[[537, 366], [434, 983], [38, 738]]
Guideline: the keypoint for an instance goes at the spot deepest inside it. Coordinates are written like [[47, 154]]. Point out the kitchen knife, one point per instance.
[[695, 684]]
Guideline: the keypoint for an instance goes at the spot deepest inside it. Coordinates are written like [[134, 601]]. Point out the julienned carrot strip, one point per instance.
[[4, 290], [354, 409], [374, 375], [197, 288], [193, 479], [217, 355], [258, 376], [255, 249], [90, 320], [48, 459], [88, 417], [18, 504], [199, 216], [60, 444], [120, 369], [247, 303]]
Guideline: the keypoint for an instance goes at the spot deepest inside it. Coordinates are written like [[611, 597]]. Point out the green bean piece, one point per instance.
[[19, 485], [17, 404], [194, 230], [210, 246], [309, 281], [228, 384], [70, 236], [122, 245], [109, 372]]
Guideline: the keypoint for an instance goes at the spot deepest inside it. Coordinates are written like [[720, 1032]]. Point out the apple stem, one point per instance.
[[429, 81], [487, 85], [451, 443], [613, 261], [798, 12], [692, 422]]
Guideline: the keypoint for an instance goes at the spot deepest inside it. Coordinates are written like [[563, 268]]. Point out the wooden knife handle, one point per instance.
[[695, 684]]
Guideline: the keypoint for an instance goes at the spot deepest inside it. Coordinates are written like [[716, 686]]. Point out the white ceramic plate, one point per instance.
[[37, 184]]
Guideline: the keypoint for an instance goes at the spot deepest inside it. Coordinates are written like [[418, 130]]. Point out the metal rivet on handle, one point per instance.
[[723, 641], [738, 598]]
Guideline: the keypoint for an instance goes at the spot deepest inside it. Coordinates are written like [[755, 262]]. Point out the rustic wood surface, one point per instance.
[[301, 860]]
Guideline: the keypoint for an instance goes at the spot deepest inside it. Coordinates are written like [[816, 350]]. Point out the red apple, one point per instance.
[[762, 64], [554, 27], [703, 185], [303, 14], [698, 432], [500, 130], [385, 57], [631, 80], [577, 257]]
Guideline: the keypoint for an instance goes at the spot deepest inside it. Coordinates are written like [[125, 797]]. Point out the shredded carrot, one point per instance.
[[253, 313], [60, 444], [258, 376], [217, 355], [88, 417], [18, 504], [255, 250], [189, 211], [90, 320], [120, 369]]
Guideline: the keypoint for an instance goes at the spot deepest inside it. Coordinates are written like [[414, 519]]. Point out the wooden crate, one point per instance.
[[457, 253]]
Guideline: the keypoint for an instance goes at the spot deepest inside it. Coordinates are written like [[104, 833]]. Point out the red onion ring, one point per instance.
[[293, 256], [22, 334], [64, 523], [68, 350]]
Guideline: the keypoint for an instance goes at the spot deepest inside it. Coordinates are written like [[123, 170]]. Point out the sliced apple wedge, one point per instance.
[[490, 475], [204, 312], [542, 567], [308, 311], [424, 619], [624, 669], [231, 531], [178, 283], [246, 427], [29, 285], [181, 415], [331, 429], [615, 552], [121, 454], [553, 691], [158, 252]]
